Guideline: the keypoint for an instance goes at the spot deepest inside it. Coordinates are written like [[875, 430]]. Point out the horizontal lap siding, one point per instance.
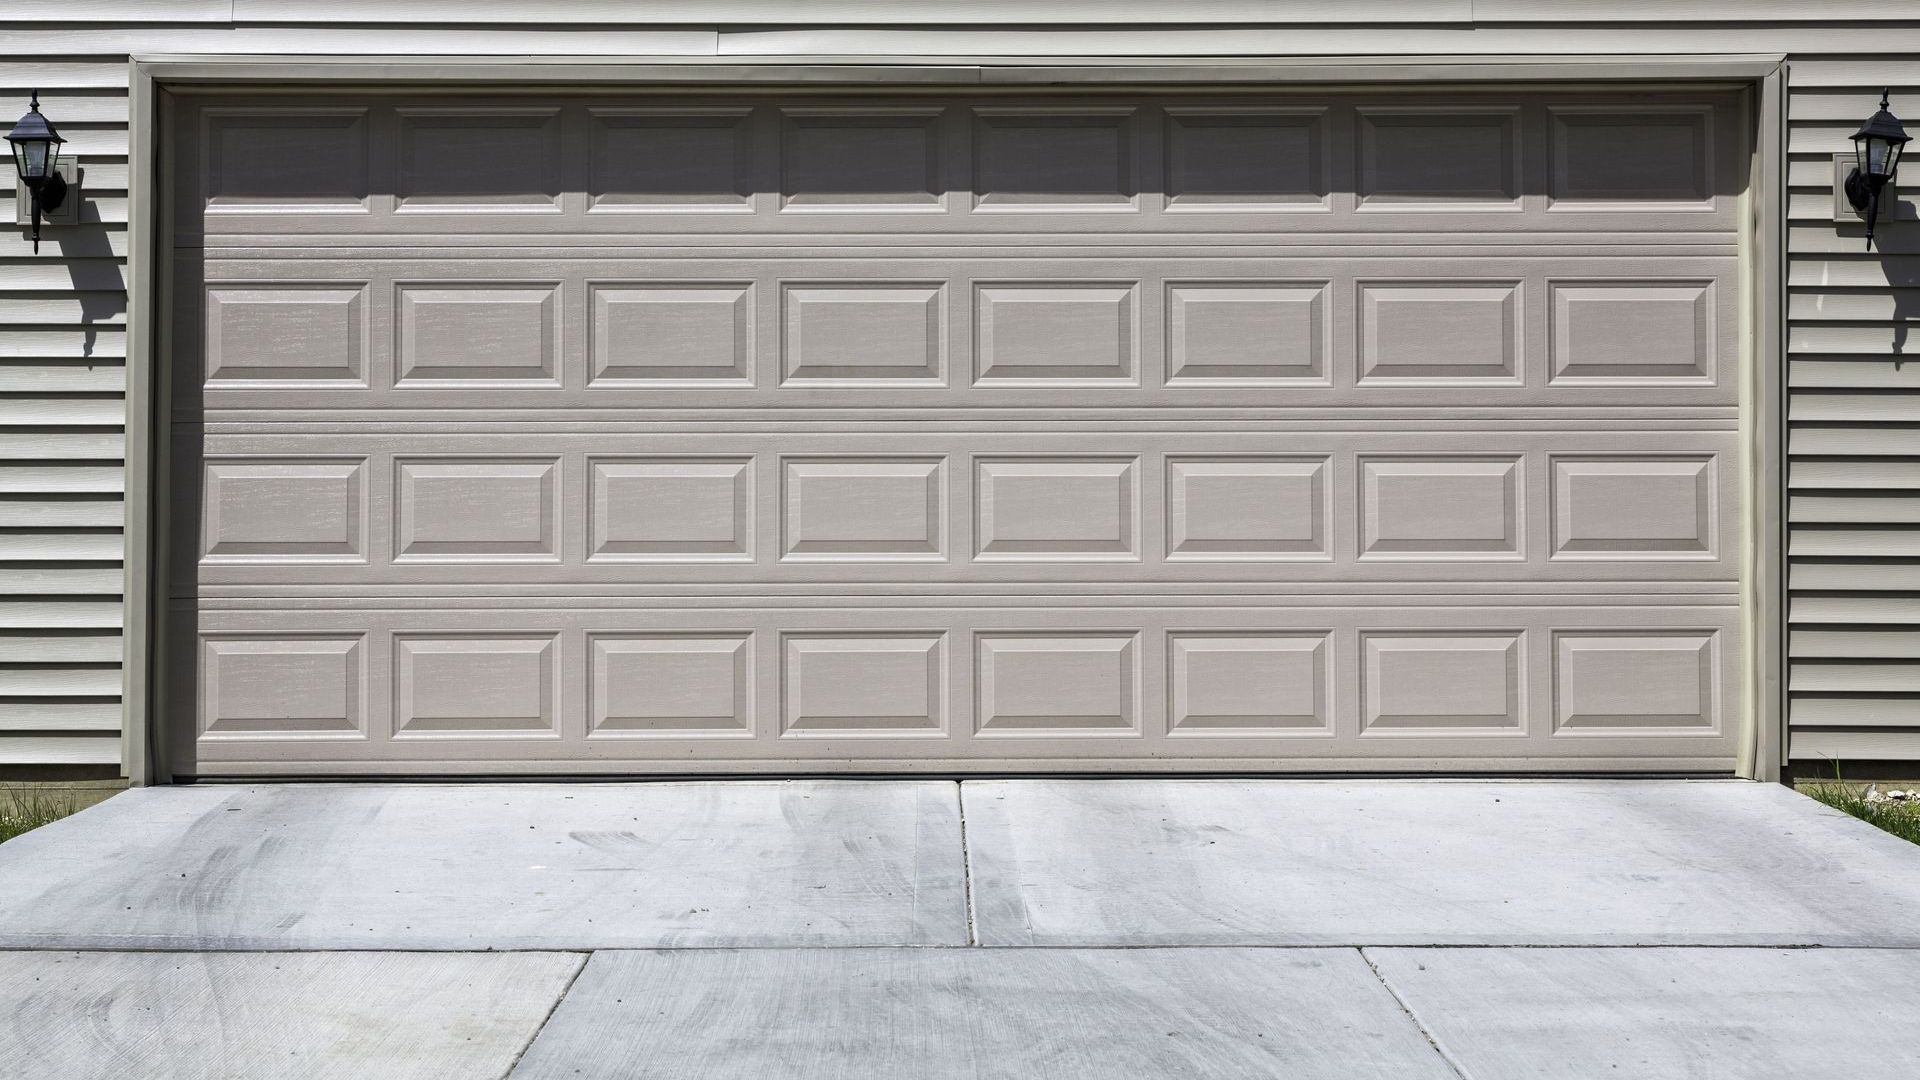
[[62, 434], [1853, 372], [1854, 470]]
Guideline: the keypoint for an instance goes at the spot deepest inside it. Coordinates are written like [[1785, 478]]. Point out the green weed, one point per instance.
[[29, 806], [1901, 818]]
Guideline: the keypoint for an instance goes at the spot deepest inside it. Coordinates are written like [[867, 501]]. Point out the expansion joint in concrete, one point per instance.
[[1413, 1017]]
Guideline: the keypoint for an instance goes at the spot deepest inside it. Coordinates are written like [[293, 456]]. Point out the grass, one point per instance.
[[1902, 819], [29, 806]]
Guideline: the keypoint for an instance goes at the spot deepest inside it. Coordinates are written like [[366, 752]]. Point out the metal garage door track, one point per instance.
[[1016, 928]]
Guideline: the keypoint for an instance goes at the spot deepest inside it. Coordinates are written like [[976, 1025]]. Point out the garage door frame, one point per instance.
[[1761, 393]]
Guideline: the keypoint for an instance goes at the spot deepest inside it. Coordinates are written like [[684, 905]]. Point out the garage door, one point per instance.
[[613, 434]]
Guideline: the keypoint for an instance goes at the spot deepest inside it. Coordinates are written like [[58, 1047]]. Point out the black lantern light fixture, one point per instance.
[[1876, 154], [36, 159]]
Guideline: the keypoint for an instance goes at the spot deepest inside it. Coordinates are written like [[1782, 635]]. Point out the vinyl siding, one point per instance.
[[1853, 475], [1854, 470], [62, 437]]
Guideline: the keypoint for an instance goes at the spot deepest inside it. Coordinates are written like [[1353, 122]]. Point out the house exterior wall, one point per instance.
[[1853, 616]]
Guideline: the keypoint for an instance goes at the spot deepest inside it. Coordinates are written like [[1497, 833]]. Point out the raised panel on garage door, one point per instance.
[[821, 431]]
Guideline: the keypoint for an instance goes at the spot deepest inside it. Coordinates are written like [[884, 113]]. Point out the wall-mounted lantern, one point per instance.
[[1876, 156], [36, 160]]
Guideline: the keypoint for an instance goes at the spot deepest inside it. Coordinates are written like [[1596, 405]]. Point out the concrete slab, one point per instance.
[[339, 1016], [935, 1014], [1651, 1014], [493, 866], [1166, 862]]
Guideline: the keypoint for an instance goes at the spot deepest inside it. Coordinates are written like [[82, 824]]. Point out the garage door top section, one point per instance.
[[655, 433]]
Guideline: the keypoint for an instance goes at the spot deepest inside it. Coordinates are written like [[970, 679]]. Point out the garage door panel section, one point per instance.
[[822, 164], [1531, 505], [978, 432], [993, 683], [911, 328]]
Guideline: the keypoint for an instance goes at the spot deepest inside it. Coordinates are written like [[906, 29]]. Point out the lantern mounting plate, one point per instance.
[[67, 213], [1891, 209]]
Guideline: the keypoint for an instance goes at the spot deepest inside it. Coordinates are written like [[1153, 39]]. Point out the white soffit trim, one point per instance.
[[949, 71]]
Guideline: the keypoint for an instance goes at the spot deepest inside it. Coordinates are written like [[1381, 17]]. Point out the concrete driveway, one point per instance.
[[928, 929]]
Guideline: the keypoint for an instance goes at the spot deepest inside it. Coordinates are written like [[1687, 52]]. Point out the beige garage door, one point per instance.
[[605, 434]]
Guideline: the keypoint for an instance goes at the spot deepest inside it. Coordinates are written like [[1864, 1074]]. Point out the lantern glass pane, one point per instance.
[[32, 158], [1877, 151]]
